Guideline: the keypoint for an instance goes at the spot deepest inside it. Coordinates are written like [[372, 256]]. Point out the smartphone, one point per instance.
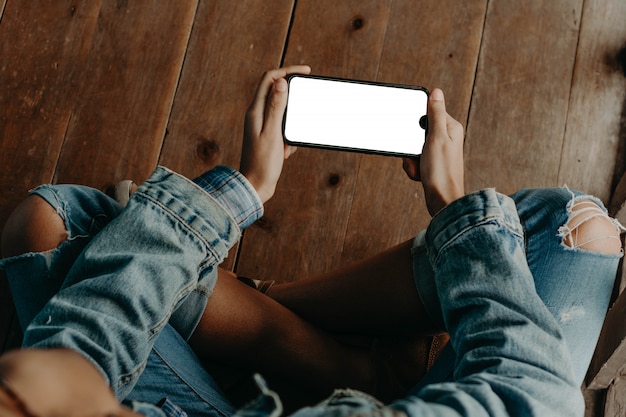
[[335, 113]]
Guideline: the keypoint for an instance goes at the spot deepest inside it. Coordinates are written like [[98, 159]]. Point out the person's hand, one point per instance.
[[440, 167], [263, 150]]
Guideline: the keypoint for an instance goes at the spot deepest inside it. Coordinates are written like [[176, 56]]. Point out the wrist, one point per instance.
[[437, 200]]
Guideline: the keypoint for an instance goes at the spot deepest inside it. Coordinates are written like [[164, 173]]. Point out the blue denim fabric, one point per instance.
[[511, 355], [482, 222], [123, 288], [574, 284]]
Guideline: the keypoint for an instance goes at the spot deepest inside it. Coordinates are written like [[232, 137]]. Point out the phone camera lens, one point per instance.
[[424, 122]]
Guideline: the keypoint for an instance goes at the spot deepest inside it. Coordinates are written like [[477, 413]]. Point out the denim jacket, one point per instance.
[[124, 287]]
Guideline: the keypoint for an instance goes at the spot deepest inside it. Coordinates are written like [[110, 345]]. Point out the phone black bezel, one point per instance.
[[345, 148]]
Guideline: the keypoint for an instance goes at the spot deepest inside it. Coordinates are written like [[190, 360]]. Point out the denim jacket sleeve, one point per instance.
[[124, 286], [511, 357]]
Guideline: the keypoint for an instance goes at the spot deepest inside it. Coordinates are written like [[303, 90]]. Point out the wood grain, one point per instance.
[[42, 51], [42, 48], [385, 200], [302, 232], [520, 100], [126, 90], [231, 45], [598, 101]]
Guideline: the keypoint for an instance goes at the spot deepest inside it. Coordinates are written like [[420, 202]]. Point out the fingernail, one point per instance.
[[436, 95]]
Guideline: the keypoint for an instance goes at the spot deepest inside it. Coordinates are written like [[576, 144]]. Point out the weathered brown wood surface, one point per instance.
[[94, 92], [596, 127], [353, 205], [519, 106], [616, 399], [126, 89], [42, 50], [231, 44]]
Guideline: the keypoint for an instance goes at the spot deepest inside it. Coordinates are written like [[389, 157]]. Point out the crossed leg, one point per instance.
[[286, 333], [239, 324]]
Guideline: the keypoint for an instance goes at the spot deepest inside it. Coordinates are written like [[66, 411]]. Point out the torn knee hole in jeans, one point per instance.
[[590, 228]]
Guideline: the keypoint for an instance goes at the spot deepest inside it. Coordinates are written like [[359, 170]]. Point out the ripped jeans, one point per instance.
[[575, 285]]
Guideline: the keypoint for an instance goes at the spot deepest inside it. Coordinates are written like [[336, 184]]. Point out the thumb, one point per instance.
[[276, 104], [437, 115]]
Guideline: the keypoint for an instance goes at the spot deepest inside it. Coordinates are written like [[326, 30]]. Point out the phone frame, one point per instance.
[[346, 148]]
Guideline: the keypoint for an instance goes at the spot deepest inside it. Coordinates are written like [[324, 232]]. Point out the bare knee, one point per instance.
[[34, 226], [590, 228]]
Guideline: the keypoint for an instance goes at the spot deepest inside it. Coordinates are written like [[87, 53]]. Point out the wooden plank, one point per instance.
[[520, 101], [594, 402], [126, 92], [598, 101], [433, 53], [231, 45], [609, 360], [42, 47], [615, 405], [617, 205], [42, 50], [303, 229]]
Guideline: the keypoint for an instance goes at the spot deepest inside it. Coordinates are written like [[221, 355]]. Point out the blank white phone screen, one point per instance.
[[352, 115]]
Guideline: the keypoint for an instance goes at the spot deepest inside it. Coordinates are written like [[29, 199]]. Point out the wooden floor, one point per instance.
[[99, 91]]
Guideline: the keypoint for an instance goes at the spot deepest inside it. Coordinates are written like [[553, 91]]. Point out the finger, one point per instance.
[[275, 108], [437, 115], [265, 86]]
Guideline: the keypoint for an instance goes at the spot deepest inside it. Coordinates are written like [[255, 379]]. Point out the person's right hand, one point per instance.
[[440, 166]]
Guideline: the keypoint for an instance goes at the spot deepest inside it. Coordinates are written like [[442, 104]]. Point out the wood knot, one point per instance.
[[334, 180], [208, 151], [617, 61], [358, 23]]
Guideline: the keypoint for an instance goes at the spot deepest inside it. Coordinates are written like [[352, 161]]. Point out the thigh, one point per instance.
[[575, 284]]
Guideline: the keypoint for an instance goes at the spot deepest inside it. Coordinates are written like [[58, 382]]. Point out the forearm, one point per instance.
[[512, 359]]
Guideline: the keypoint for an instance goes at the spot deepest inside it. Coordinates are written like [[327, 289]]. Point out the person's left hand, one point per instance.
[[263, 150]]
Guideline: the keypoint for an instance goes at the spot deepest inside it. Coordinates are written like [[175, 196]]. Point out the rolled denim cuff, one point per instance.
[[233, 191], [466, 212], [469, 211]]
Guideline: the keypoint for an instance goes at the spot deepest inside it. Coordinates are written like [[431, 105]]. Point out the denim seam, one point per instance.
[[191, 387], [181, 221], [494, 219]]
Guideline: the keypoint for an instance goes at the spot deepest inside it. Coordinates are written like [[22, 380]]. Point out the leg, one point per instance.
[[246, 328], [573, 250], [34, 226], [376, 296], [43, 237], [354, 300]]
